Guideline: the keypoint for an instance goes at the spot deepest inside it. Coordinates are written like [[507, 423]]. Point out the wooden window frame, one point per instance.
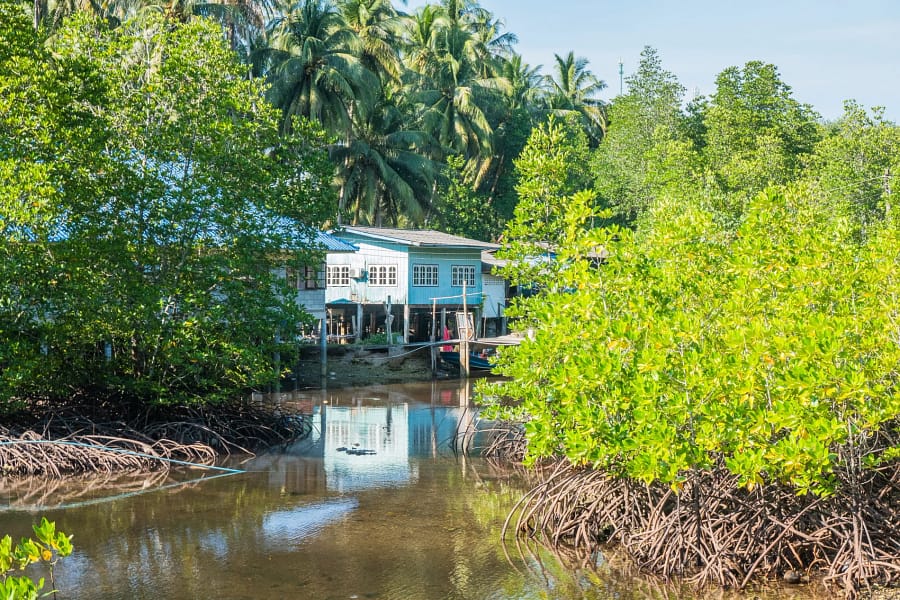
[[382, 275], [426, 275], [457, 272], [338, 275]]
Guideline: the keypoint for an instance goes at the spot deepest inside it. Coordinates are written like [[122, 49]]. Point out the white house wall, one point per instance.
[[313, 301], [405, 257], [360, 290]]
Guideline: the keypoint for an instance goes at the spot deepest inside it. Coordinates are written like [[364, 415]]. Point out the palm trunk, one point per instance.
[[40, 11]]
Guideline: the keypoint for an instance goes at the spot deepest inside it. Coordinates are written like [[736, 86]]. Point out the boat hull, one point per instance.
[[476, 362]]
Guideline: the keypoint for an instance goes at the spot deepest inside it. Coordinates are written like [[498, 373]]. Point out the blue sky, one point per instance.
[[826, 50]]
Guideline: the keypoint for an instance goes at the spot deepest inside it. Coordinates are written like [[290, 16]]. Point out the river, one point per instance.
[[374, 504]]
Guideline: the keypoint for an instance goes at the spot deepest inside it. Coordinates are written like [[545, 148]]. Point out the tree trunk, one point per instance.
[[40, 11]]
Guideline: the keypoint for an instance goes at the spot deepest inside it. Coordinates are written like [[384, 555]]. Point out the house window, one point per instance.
[[462, 273], [304, 278], [425, 275], [383, 275], [339, 275]]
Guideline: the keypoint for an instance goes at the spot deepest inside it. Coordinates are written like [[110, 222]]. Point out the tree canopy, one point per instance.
[[145, 225]]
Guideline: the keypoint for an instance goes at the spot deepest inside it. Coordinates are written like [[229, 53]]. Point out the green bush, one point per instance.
[[773, 347], [48, 548]]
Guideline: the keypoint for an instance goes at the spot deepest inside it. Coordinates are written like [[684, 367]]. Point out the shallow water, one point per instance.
[[409, 519]]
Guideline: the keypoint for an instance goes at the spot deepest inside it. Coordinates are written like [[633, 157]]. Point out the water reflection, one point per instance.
[[407, 520], [367, 436], [415, 520]]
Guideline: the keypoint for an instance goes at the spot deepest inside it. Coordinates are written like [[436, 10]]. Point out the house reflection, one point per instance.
[[366, 437]]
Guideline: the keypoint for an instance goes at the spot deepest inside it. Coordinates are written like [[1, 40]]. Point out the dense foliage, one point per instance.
[[402, 94], [738, 343], [149, 202], [770, 345]]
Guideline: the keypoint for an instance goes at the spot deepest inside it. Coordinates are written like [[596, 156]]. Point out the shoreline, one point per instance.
[[353, 366]]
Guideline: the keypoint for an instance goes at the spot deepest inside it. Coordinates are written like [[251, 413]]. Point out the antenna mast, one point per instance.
[[621, 75]]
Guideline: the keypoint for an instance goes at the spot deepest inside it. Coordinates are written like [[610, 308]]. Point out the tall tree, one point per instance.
[[165, 252], [553, 179], [858, 161], [378, 27], [513, 114], [574, 90], [490, 43], [446, 82], [385, 173], [461, 210], [314, 63], [53, 132], [643, 151], [757, 134]]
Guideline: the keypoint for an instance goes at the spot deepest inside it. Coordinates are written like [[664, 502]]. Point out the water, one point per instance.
[[410, 519]]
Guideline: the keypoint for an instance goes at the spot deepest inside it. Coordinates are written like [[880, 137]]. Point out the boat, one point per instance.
[[476, 361]]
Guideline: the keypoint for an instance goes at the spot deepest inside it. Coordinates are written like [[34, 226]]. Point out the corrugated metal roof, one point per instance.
[[488, 260], [330, 243], [417, 237]]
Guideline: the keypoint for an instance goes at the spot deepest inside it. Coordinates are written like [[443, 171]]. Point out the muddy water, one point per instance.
[[400, 516]]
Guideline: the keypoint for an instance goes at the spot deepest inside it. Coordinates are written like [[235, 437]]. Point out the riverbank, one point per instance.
[[351, 366], [46, 438]]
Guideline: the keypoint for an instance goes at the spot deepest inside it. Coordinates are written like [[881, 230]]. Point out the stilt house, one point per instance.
[[403, 281]]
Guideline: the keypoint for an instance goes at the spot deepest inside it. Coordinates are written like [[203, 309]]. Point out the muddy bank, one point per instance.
[[351, 366]]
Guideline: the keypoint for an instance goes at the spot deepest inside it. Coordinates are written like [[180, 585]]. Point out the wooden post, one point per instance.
[[388, 321], [359, 322], [443, 321], [323, 344], [464, 338], [433, 336]]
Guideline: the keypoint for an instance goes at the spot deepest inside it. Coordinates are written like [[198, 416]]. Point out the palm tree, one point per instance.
[[378, 27], [420, 34], [386, 175], [448, 84], [527, 87], [491, 46], [519, 108], [244, 21], [313, 60], [574, 90]]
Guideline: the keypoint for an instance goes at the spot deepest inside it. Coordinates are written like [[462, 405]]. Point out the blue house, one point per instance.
[[415, 272]]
